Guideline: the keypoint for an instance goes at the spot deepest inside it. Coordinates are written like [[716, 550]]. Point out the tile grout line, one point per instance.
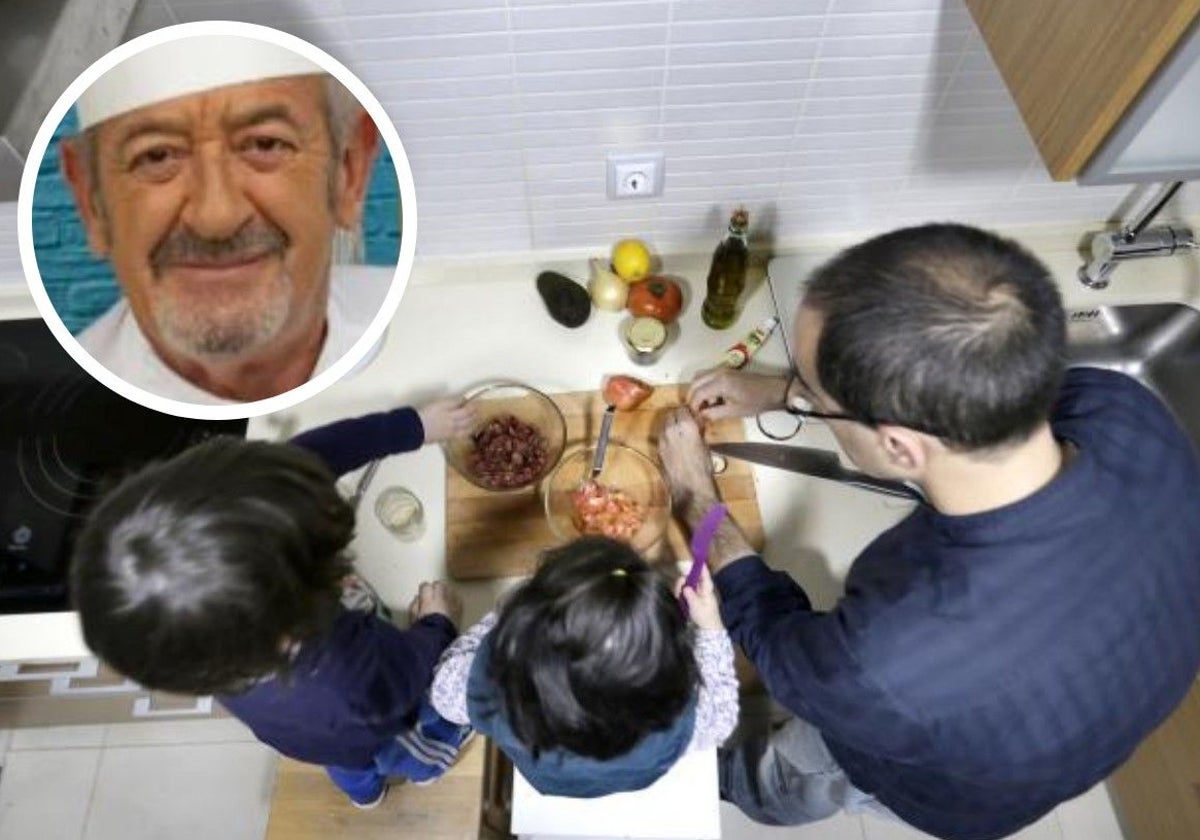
[[802, 105], [87, 814], [105, 746], [937, 107], [519, 101]]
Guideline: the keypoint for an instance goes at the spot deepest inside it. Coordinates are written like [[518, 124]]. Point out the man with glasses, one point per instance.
[[1007, 645]]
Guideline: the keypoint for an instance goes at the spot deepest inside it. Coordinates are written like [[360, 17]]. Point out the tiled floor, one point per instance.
[[136, 781], [200, 780]]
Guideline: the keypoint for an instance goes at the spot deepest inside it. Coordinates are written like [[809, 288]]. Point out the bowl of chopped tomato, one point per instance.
[[518, 437], [628, 501]]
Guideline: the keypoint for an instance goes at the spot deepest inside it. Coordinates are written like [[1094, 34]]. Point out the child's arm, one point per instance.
[[401, 662], [717, 704], [448, 694], [348, 444]]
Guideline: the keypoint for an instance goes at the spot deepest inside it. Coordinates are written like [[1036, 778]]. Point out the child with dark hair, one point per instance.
[[590, 678], [224, 570]]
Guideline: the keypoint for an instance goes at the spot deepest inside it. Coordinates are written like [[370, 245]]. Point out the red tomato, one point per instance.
[[625, 392], [600, 509], [655, 297]]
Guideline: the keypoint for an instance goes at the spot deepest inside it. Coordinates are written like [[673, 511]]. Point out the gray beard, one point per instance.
[[194, 333]]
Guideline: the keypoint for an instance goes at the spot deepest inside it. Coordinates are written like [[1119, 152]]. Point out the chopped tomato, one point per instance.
[[607, 511], [625, 392]]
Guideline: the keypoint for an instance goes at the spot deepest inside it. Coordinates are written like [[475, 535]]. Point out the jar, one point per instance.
[[644, 339], [400, 511]]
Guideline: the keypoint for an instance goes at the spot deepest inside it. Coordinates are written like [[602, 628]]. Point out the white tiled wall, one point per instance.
[[823, 116]]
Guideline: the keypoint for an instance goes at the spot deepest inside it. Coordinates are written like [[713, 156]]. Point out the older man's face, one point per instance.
[[217, 211]]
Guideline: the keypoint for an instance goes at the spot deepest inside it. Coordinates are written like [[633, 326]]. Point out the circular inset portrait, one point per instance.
[[210, 220]]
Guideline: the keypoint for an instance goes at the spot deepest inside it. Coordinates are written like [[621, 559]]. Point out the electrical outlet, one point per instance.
[[635, 175]]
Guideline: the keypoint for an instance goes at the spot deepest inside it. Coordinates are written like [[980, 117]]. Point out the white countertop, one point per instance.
[[448, 336]]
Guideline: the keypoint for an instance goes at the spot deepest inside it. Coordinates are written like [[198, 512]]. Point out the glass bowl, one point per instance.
[[509, 411], [625, 469]]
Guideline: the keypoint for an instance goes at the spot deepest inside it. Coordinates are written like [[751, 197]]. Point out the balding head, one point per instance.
[[945, 328]]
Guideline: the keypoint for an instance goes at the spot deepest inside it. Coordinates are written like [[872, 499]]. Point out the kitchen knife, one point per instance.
[[819, 463], [602, 441]]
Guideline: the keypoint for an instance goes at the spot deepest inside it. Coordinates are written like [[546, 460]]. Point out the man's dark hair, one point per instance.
[[592, 653], [201, 573], [943, 328]]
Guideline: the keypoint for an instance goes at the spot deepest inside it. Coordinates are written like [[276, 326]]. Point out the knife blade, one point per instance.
[[819, 463]]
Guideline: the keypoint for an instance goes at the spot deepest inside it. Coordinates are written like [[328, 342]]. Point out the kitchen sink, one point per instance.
[[1157, 344]]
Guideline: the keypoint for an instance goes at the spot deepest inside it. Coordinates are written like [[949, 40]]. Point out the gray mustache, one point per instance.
[[250, 242]]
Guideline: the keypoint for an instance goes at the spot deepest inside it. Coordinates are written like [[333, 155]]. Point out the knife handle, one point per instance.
[[701, 542]]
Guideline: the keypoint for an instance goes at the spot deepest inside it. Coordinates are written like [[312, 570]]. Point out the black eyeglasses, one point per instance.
[[866, 420], [824, 415], [800, 414], [816, 415]]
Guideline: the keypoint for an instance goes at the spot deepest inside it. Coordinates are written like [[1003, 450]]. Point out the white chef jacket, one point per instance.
[[114, 339]]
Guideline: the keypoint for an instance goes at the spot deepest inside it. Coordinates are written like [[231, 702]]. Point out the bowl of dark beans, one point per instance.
[[519, 436]]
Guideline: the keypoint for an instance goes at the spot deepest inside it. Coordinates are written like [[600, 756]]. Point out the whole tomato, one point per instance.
[[655, 297]]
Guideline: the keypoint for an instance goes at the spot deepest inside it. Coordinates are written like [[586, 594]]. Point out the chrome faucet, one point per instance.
[[1135, 240]]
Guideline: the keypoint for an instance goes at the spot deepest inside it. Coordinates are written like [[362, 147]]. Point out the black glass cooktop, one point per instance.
[[64, 440]]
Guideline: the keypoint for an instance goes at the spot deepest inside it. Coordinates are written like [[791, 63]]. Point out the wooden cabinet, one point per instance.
[[1157, 792], [84, 691], [1098, 83]]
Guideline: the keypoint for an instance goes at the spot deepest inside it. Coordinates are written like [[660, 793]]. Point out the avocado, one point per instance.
[[567, 301]]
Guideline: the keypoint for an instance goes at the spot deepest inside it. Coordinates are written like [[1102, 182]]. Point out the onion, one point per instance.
[[608, 290]]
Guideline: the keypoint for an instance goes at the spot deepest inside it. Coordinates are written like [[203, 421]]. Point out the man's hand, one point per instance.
[[688, 468], [446, 418], [703, 607], [435, 598], [721, 392], [687, 465]]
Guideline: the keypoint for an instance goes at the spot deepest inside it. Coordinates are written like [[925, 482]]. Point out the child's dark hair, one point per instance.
[[592, 653], [197, 574]]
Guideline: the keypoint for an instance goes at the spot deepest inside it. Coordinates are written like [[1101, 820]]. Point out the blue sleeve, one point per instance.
[[808, 661], [399, 663], [348, 444]]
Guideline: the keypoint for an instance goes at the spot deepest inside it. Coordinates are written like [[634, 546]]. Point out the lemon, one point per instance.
[[631, 260]]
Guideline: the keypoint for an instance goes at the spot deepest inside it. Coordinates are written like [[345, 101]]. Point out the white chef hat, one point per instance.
[[184, 66]]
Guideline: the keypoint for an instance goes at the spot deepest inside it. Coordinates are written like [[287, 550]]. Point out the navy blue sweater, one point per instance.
[[358, 686], [981, 669]]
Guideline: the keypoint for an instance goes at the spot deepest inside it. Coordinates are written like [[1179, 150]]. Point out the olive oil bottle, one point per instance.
[[727, 275]]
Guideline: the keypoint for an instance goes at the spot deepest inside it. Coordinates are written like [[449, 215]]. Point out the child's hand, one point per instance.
[[703, 607], [435, 598], [446, 418]]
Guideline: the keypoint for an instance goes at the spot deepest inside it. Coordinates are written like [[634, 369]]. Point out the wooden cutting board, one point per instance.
[[491, 535]]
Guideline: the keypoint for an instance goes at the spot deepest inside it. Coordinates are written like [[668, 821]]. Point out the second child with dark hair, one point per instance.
[[224, 571], [589, 677]]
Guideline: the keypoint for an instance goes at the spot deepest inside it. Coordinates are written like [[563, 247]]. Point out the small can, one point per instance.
[[644, 339]]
